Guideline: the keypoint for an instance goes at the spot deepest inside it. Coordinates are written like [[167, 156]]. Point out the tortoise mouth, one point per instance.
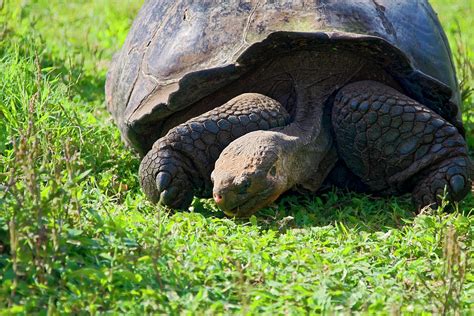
[[251, 205], [243, 210]]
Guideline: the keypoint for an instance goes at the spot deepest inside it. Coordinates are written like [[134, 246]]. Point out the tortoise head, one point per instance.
[[249, 174]]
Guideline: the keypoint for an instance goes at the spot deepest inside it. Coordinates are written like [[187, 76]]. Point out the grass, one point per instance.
[[78, 236]]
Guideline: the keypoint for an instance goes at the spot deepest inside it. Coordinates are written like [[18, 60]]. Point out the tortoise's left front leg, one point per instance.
[[396, 145]]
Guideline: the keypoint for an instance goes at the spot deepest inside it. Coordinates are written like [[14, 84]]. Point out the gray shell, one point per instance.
[[179, 52]]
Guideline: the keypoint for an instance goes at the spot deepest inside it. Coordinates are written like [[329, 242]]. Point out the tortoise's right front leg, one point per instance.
[[180, 164]]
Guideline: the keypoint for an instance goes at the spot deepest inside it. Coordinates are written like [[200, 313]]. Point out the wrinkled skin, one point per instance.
[[249, 174]]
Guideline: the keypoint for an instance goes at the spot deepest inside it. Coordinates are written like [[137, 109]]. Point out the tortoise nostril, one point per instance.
[[218, 198]]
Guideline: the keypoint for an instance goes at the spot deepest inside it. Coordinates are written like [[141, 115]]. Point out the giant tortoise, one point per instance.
[[244, 100]]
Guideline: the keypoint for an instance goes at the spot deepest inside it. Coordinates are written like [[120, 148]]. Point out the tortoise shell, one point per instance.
[[180, 52]]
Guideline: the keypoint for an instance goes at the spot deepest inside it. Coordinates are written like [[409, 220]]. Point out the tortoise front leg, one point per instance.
[[396, 145], [180, 164]]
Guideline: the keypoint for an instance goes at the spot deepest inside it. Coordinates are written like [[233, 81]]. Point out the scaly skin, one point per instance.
[[396, 145], [180, 164]]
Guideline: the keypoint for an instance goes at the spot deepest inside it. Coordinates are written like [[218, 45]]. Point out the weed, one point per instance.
[[77, 235]]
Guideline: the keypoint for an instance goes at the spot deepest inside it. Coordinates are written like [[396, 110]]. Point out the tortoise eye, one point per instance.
[[272, 171], [244, 186]]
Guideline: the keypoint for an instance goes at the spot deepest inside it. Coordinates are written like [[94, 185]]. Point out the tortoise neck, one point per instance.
[[308, 151]]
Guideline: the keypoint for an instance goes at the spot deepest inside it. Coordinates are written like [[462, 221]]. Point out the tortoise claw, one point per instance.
[[163, 180], [450, 177], [171, 186]]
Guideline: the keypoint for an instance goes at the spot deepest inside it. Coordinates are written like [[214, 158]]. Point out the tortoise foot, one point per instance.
[[397, 145], [164, 178], [448, 179]]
